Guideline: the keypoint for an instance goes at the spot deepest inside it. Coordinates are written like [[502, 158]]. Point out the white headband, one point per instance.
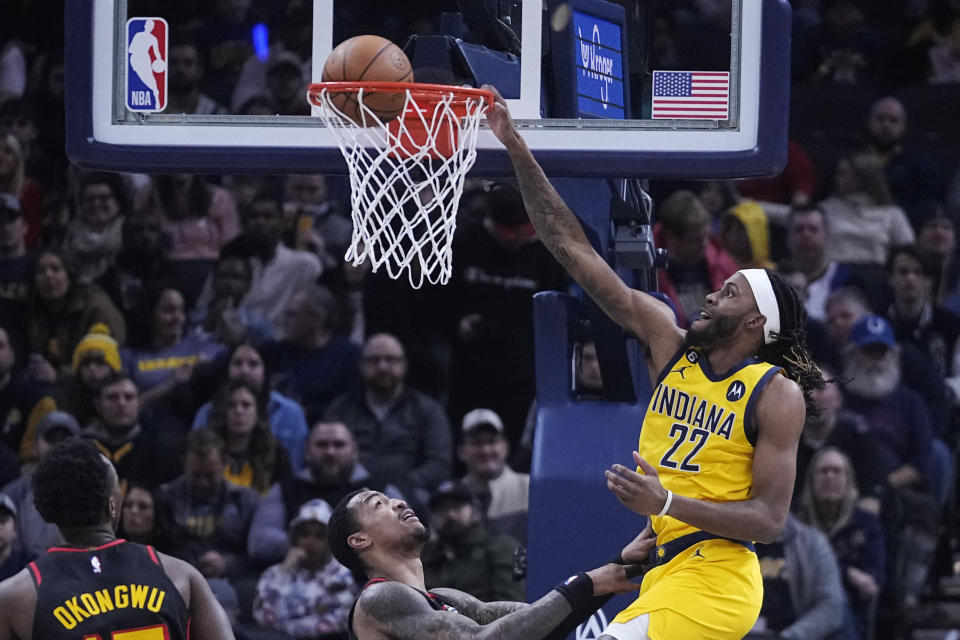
[[762, 288]]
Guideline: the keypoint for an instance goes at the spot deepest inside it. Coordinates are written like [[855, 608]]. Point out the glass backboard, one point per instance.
[[636, 88]]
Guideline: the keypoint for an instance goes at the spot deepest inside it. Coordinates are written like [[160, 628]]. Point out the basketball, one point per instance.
[[158, 66], [368, 59]]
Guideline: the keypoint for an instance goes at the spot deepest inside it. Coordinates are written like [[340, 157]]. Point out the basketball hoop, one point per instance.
[[406, 173]]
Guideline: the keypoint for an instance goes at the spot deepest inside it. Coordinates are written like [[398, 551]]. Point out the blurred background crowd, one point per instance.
[[205, 332]]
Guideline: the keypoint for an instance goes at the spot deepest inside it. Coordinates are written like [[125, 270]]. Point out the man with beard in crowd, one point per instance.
[[332, 470], [917, 467], [403, 434], [914, 178], [896, 416], [463, 553], [844, 308]]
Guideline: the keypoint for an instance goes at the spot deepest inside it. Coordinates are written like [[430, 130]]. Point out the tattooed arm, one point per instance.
[[477, 610], [394, 610], [643, 315], [399, 612]]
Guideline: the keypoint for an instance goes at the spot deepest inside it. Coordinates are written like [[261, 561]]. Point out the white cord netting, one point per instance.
[[404, 192]]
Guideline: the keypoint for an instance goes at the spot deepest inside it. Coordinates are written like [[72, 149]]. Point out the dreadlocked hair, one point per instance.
[[790, 349]]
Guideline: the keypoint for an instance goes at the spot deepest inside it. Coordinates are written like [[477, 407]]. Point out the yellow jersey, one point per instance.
[[699, 434]]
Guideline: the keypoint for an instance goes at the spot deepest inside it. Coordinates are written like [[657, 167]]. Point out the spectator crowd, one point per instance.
[[205, 332]]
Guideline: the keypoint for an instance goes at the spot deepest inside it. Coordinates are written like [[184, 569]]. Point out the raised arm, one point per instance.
[[779, 416], [475, 609], [395, 610], [646, 317]]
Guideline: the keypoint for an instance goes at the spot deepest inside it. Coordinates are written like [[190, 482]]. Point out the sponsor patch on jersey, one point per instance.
[[736, 391], [692, 356]]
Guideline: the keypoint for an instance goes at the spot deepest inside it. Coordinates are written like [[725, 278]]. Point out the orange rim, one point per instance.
[[423, 92]]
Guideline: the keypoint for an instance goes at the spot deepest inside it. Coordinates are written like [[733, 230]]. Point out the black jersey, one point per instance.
[[436, 602], [118, 591]]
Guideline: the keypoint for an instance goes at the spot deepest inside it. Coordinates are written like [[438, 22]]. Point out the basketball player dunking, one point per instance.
[[97, 586], [717, 451]]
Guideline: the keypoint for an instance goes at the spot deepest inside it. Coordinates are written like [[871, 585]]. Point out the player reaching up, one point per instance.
[[717, 451], [372, 534]]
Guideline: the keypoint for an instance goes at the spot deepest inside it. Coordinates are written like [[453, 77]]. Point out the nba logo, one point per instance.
[[146, 64]]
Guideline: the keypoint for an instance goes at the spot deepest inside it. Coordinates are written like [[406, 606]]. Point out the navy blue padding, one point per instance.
[[767, 158]]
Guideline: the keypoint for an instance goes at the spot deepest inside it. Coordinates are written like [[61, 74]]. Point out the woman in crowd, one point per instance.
[[59, 314], [140, 521], [161, 354], [254, 458], [94, 237], [829, 503], [199, 217], [287, 420], [864, 222], [13, 180]]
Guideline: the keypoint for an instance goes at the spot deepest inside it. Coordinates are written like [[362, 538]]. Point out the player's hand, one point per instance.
[[500, 121], [612, 578], [637, 550], [640, 492]]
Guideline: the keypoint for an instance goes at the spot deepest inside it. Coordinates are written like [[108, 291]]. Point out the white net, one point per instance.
[[406, 178]]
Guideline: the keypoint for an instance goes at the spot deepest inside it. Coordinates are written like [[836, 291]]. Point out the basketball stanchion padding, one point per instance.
[[406, 173]]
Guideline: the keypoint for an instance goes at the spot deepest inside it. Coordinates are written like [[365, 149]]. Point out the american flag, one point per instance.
[[691, 95]]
